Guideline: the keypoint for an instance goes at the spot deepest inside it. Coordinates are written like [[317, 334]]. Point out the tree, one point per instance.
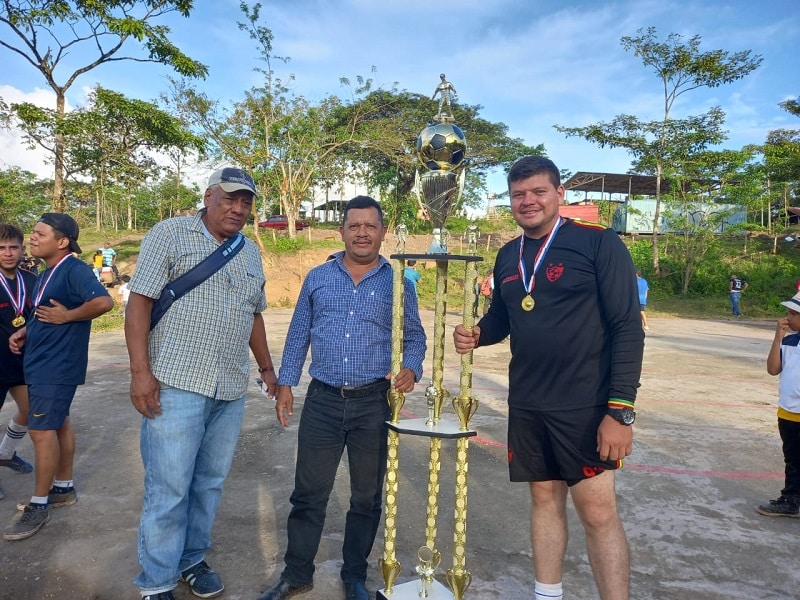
[[23, 197], [700, 204], [681, 67], [114, 139], [45, 32]]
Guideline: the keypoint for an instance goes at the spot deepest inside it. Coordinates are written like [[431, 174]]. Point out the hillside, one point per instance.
[[285, 272]]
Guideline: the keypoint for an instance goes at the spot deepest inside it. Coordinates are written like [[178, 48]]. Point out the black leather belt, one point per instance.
[[376, 387]]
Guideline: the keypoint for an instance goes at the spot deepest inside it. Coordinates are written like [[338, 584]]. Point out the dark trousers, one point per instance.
[[328, 425], [790, 436]]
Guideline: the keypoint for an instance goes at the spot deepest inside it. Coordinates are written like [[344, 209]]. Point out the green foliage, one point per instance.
[[283, 244], [661, 147], [771, 277], [46, 32], [23, 198]]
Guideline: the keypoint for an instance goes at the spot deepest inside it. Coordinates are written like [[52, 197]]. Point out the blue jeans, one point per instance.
[[735, 303], [187, 452], [328, 425]]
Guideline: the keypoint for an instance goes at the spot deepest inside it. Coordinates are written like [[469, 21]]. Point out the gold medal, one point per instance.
[[528, 303], [18, 321]]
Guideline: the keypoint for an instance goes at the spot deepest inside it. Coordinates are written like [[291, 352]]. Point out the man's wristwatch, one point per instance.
[[624, 416]]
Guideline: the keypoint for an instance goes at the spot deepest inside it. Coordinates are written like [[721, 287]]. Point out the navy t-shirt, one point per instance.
[[59, 354]]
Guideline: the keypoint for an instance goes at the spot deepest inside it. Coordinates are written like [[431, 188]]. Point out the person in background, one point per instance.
[[110, 258], [411, 273], [66, 298], [736, 288], [16, 305], [97, 264], [486, 289], [565, 292], [784, 360], [123, 293], [644, 290], [344, 314]]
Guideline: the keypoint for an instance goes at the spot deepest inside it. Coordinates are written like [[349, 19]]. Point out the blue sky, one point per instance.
[[530, 64]]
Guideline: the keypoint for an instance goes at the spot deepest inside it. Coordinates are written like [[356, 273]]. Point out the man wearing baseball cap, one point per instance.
[[66, 297], [189, 375], [64, 225], [232, 180]]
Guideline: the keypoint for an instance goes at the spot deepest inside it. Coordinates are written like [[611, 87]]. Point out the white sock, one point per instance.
[[547, 591], [38, 499], [63, 483], [14, 434]]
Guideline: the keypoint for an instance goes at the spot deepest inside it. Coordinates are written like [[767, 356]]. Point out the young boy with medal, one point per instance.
[[66, 297], [16, 285], [565, 292]]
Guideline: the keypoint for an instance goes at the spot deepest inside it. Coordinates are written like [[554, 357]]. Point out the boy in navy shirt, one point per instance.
[[66, 298]]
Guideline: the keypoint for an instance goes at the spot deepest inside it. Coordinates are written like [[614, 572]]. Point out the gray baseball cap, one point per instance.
[[232, 180]]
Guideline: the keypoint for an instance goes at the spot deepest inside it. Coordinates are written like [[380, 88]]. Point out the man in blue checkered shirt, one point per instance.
[[344, 314]]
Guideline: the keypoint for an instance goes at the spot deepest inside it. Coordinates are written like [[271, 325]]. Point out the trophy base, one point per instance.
[[410, 591], [443, 428]]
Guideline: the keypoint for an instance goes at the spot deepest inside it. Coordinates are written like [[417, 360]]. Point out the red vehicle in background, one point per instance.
[[280, 222]]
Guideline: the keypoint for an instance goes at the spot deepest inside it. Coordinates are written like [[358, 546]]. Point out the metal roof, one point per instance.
[[615, 183]]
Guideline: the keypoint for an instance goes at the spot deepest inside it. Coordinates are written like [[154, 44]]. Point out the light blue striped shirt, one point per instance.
[[349, 327]]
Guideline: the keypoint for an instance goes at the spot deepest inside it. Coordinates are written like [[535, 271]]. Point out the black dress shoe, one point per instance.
[[355, 590], [282, 590]]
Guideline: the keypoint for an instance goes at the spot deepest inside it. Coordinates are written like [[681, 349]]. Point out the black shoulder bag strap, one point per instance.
[[195, 276]]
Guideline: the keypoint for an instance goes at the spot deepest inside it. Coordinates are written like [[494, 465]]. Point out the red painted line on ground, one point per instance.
[[696, 472]]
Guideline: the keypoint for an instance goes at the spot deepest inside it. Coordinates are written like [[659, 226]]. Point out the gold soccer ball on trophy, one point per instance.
[[441, 147]]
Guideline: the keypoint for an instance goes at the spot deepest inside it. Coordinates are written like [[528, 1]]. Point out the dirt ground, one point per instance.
[[285, 274], [706, 453]]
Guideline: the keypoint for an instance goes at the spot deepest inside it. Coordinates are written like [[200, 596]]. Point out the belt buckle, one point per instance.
[[345, 392]]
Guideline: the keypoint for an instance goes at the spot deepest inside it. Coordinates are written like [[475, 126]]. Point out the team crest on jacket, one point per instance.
[[553, 272]]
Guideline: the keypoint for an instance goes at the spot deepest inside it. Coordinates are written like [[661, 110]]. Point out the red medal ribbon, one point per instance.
[[18, 299]]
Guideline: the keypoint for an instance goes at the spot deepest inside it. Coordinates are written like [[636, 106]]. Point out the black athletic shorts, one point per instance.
[[555, 445], [5, 386]]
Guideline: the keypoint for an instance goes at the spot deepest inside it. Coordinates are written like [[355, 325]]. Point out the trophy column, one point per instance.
[[437, 429]]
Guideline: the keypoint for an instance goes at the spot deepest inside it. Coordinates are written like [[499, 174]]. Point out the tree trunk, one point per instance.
[[59, 193], [656, 265]]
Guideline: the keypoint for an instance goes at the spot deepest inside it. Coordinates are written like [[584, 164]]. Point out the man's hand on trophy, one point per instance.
[[466, 340]]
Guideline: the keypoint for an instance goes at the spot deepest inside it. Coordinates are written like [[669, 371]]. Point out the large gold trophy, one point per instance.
[[441, 149]]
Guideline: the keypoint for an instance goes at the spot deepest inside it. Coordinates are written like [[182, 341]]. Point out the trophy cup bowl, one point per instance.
[[441, 148]]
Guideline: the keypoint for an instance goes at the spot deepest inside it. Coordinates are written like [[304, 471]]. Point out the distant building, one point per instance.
[[636, 216], [585, 211]]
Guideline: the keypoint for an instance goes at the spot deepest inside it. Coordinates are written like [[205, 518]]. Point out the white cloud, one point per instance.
[[14, 150]]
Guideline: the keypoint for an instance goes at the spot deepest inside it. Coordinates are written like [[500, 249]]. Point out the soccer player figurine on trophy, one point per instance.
[[400, 234], [441, 149], [473, 233], [445, 90]]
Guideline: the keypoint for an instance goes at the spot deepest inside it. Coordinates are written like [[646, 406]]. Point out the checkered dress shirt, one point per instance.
[[202, 343], [349, 327]]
